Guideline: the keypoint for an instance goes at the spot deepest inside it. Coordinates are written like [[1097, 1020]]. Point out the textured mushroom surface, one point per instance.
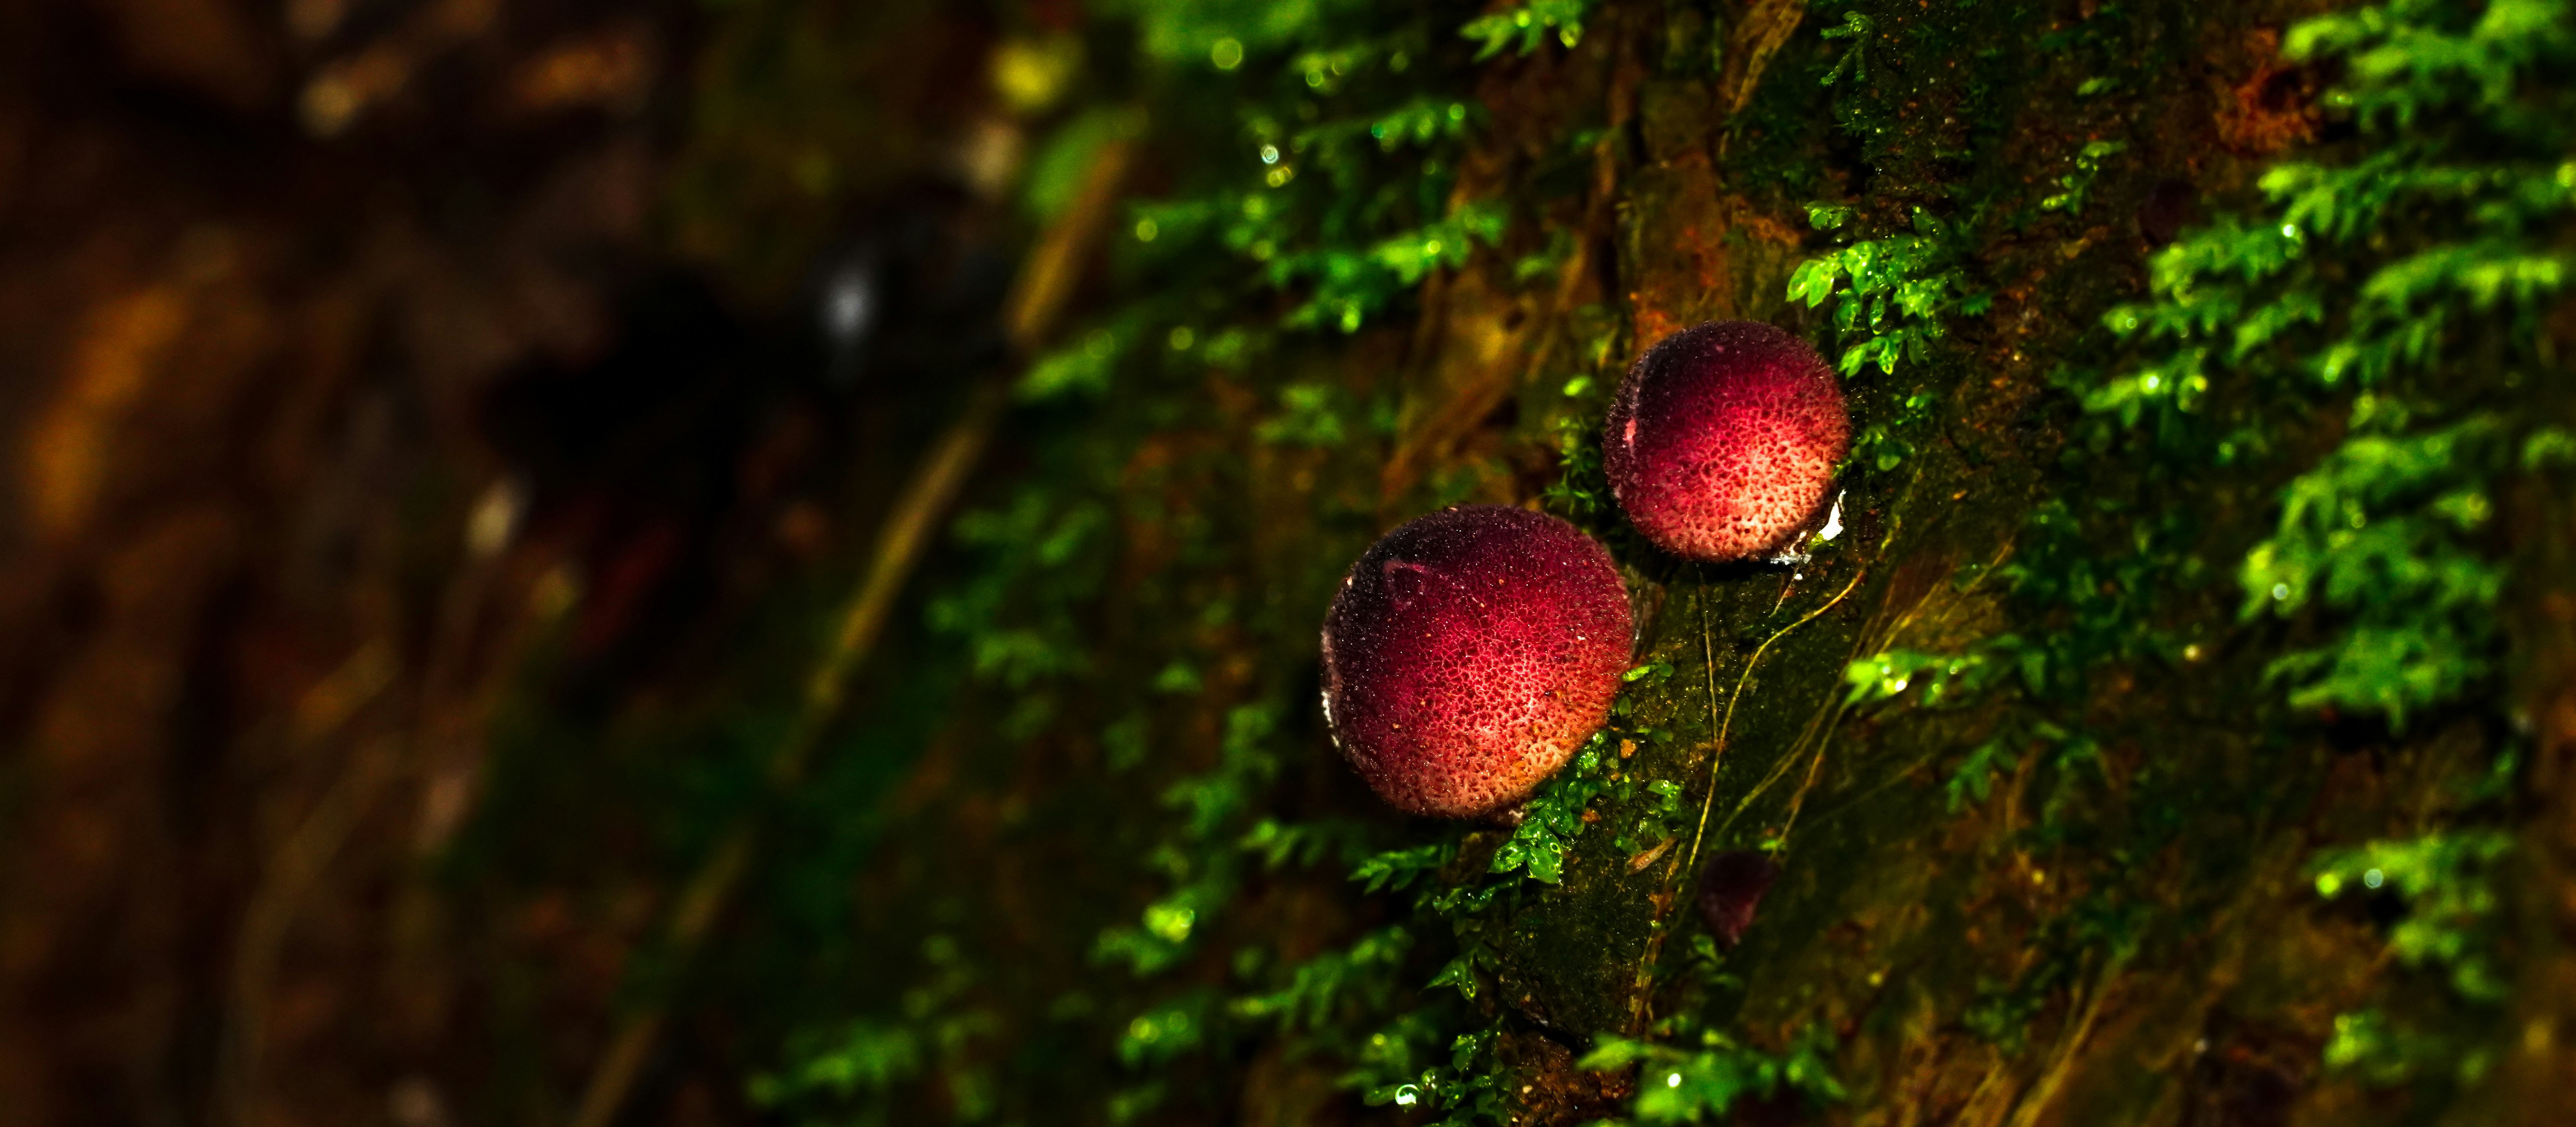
[[1469, 653], [1722, 442]]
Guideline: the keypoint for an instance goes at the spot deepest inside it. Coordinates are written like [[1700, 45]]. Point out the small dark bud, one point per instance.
[[1730, 888], [2167, 208], [1783, 1108]]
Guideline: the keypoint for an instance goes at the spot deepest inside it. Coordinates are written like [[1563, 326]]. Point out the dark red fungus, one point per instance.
[[1722, 442], [2165, 210], [1469, 653], [1730, 888]]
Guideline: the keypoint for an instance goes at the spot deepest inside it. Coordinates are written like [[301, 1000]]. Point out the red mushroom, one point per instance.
[[1722, 442], [1469, 653]]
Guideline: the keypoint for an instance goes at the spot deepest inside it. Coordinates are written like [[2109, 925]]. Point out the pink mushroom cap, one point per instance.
[[1469, 653], [1723, 440]]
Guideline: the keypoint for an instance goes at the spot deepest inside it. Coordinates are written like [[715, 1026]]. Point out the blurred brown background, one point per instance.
[[349, 344]]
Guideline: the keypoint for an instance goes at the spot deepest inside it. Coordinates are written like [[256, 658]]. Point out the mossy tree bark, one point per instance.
[[2050, 839]]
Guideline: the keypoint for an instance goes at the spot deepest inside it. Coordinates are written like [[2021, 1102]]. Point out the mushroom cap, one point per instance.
[[1722, 442], [1469, 653]]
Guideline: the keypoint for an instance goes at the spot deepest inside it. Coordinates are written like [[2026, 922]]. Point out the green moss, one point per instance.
[[1686, 1086]]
